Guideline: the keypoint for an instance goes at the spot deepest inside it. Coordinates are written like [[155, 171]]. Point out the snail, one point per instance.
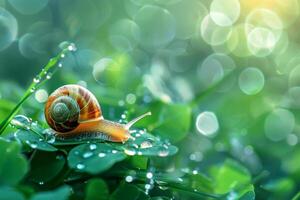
[[73, 112]]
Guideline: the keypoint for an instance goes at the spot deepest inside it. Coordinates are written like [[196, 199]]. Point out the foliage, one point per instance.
[[220, 79]]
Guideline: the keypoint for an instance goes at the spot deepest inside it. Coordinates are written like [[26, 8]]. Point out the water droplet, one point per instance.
[[49, 135], [163, 153], [62, 55], [123, 116], [41, 183], [146, 144], [32, 89], [147, 186], [87, 154], [31, 144], [137, 135], [21, 121], [36, 80], [101, 155], [180, 179], [130, 152], [93, 146], [114, 151], [149, 175], [60, 65], [72, 47], [80, 166], [195, 172], [129, 179], [48, 76]]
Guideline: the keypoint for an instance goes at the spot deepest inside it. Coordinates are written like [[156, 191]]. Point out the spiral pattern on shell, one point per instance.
[[70, 105]]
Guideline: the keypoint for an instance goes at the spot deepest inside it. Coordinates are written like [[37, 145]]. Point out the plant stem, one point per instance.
[[209, 90], [42, 77]]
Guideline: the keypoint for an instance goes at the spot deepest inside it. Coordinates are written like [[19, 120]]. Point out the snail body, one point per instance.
[[73, 112]]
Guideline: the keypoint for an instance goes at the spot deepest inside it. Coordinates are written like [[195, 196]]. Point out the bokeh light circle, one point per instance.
[[251, 81], [41, 95], [8, 28], [237, 42], [279, 124], [212, 33], [213, 68], [101, 69], [264, 28], [187, 22], [207, 123], [225, 13], [157, 26], [124, 34], [28, 7]]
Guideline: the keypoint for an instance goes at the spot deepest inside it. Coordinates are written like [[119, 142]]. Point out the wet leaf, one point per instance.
[[33, 140], [96, 189], [128, 192], [45, 166], [8, 193], [229, 176], [148, 145], [13, 165], [61, 193], [94, 158]]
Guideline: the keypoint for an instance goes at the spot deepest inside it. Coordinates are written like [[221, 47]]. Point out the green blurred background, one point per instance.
[[232, 66]]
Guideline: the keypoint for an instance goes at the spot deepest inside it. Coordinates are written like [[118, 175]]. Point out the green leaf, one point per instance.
[[139, 162], [297, 196], [246, 193], [96, 189], [33, 140], [45, 166], [199, 182], [128, 192], [174, 122], [13, 165], [94, 158], [61, 193], [8, 193], [281, 187], [229, 176], [148, 145]]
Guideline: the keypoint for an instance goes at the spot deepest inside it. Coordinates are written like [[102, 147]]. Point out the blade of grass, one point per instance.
[[210, 89], [42, 78]]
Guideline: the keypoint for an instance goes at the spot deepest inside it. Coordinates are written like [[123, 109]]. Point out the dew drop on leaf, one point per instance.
[[93, 146], [101, 155], [80, 166], [163, 153], [87, 154], [130, 152], [146, 144], [114, 151], [129, 179], [149, 175]]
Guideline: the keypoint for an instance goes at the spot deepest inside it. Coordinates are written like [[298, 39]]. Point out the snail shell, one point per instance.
[[74, 113]]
